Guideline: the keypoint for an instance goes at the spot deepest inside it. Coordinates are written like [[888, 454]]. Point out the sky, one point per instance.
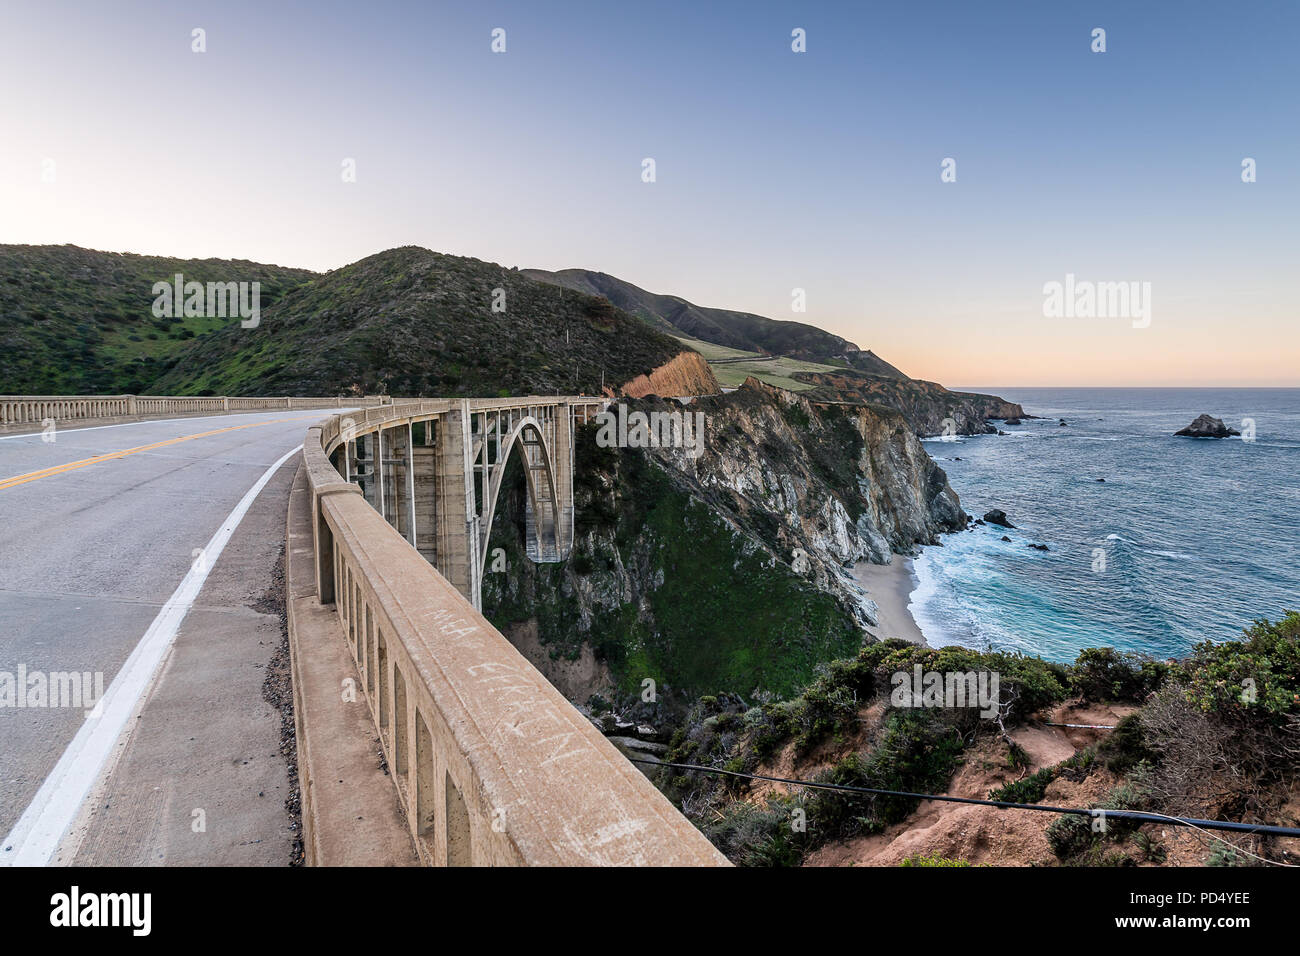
[[775, 170]]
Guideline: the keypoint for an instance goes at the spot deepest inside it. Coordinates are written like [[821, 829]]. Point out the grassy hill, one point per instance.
[[735, 330], [732, 366], [927, 405], [413, 322], [407, 321], [77, 321]]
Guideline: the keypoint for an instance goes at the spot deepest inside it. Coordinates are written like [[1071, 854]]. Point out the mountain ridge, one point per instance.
[[850, 373], [739, 330], [421, 323]]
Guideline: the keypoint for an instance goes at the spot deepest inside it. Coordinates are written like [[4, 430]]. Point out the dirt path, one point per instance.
[[987, 835]]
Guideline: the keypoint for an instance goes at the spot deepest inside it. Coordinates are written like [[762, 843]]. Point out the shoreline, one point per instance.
[[891, 586]]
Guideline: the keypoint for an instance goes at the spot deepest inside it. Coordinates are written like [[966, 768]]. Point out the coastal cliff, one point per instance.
[[722, 570], [927, 405]]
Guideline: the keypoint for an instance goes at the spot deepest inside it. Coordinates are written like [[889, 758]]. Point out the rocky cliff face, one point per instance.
[[928, 406], [723, 571], [844, 483]]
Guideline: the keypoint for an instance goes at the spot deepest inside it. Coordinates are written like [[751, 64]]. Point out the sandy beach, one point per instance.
[[890, 585]]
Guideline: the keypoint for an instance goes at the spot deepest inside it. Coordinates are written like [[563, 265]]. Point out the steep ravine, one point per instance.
[[723, 572]]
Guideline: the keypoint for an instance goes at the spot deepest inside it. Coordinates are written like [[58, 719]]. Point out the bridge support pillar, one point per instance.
[[401, 486], [426, 493], [457, 516], [562, 459]]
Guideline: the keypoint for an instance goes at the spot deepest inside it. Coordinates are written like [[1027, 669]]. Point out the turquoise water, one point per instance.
[[1186, 540]]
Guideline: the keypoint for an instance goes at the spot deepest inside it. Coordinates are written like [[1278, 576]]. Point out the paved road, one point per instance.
[[98, 530]]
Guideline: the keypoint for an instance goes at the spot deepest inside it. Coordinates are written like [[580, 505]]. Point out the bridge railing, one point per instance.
[[36, 409], [492, 765]]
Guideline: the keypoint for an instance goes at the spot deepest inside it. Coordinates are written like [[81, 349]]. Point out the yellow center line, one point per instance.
[[73, 465]]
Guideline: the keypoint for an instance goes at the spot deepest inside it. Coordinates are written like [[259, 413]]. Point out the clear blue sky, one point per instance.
[[775, 170]]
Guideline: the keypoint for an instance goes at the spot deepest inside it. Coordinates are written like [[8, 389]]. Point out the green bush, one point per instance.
[[1258, 676], [1224, 855], [1103, 673], [1029, 789], [1071, 836], [1126, 747], [752, 835], [1033, 788]]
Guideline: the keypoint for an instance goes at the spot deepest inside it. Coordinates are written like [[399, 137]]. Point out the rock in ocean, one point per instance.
[[1206, 426], [999, 517]]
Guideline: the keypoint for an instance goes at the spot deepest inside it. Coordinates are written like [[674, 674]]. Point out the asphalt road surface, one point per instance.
[[104, 541]]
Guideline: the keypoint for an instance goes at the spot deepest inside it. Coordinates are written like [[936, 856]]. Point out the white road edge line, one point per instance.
[[41, 828]]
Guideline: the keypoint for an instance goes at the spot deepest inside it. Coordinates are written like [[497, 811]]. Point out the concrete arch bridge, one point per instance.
[[434, 470]]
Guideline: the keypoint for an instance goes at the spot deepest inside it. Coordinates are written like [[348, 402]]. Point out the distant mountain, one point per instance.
[[849, 374], [407, 322], [737, 330]]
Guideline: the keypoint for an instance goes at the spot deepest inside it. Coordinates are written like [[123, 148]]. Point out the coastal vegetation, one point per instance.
[[767, 627], [1214, 735], [79, 322]]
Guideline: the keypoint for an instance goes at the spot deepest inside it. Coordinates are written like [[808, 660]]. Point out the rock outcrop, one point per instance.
[[929, 408], [998, 517], [1206, 426], [684, 374]]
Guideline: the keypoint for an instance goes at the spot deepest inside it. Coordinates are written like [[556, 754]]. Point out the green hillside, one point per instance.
[[407, 321], [77, 321]]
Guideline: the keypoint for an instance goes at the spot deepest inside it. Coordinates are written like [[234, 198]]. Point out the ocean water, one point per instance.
[[1186, 540]]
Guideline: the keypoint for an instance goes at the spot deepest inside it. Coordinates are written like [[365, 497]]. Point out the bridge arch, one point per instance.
[[434, 469], [544, 517]]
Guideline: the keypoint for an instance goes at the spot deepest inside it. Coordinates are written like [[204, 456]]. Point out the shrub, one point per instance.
[[1102, 673], [752, 835], [1224, 855], [1071, 835], [1258, 676], [1126, 747], [1029, 789], [1033, 788], [1226, 728]]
